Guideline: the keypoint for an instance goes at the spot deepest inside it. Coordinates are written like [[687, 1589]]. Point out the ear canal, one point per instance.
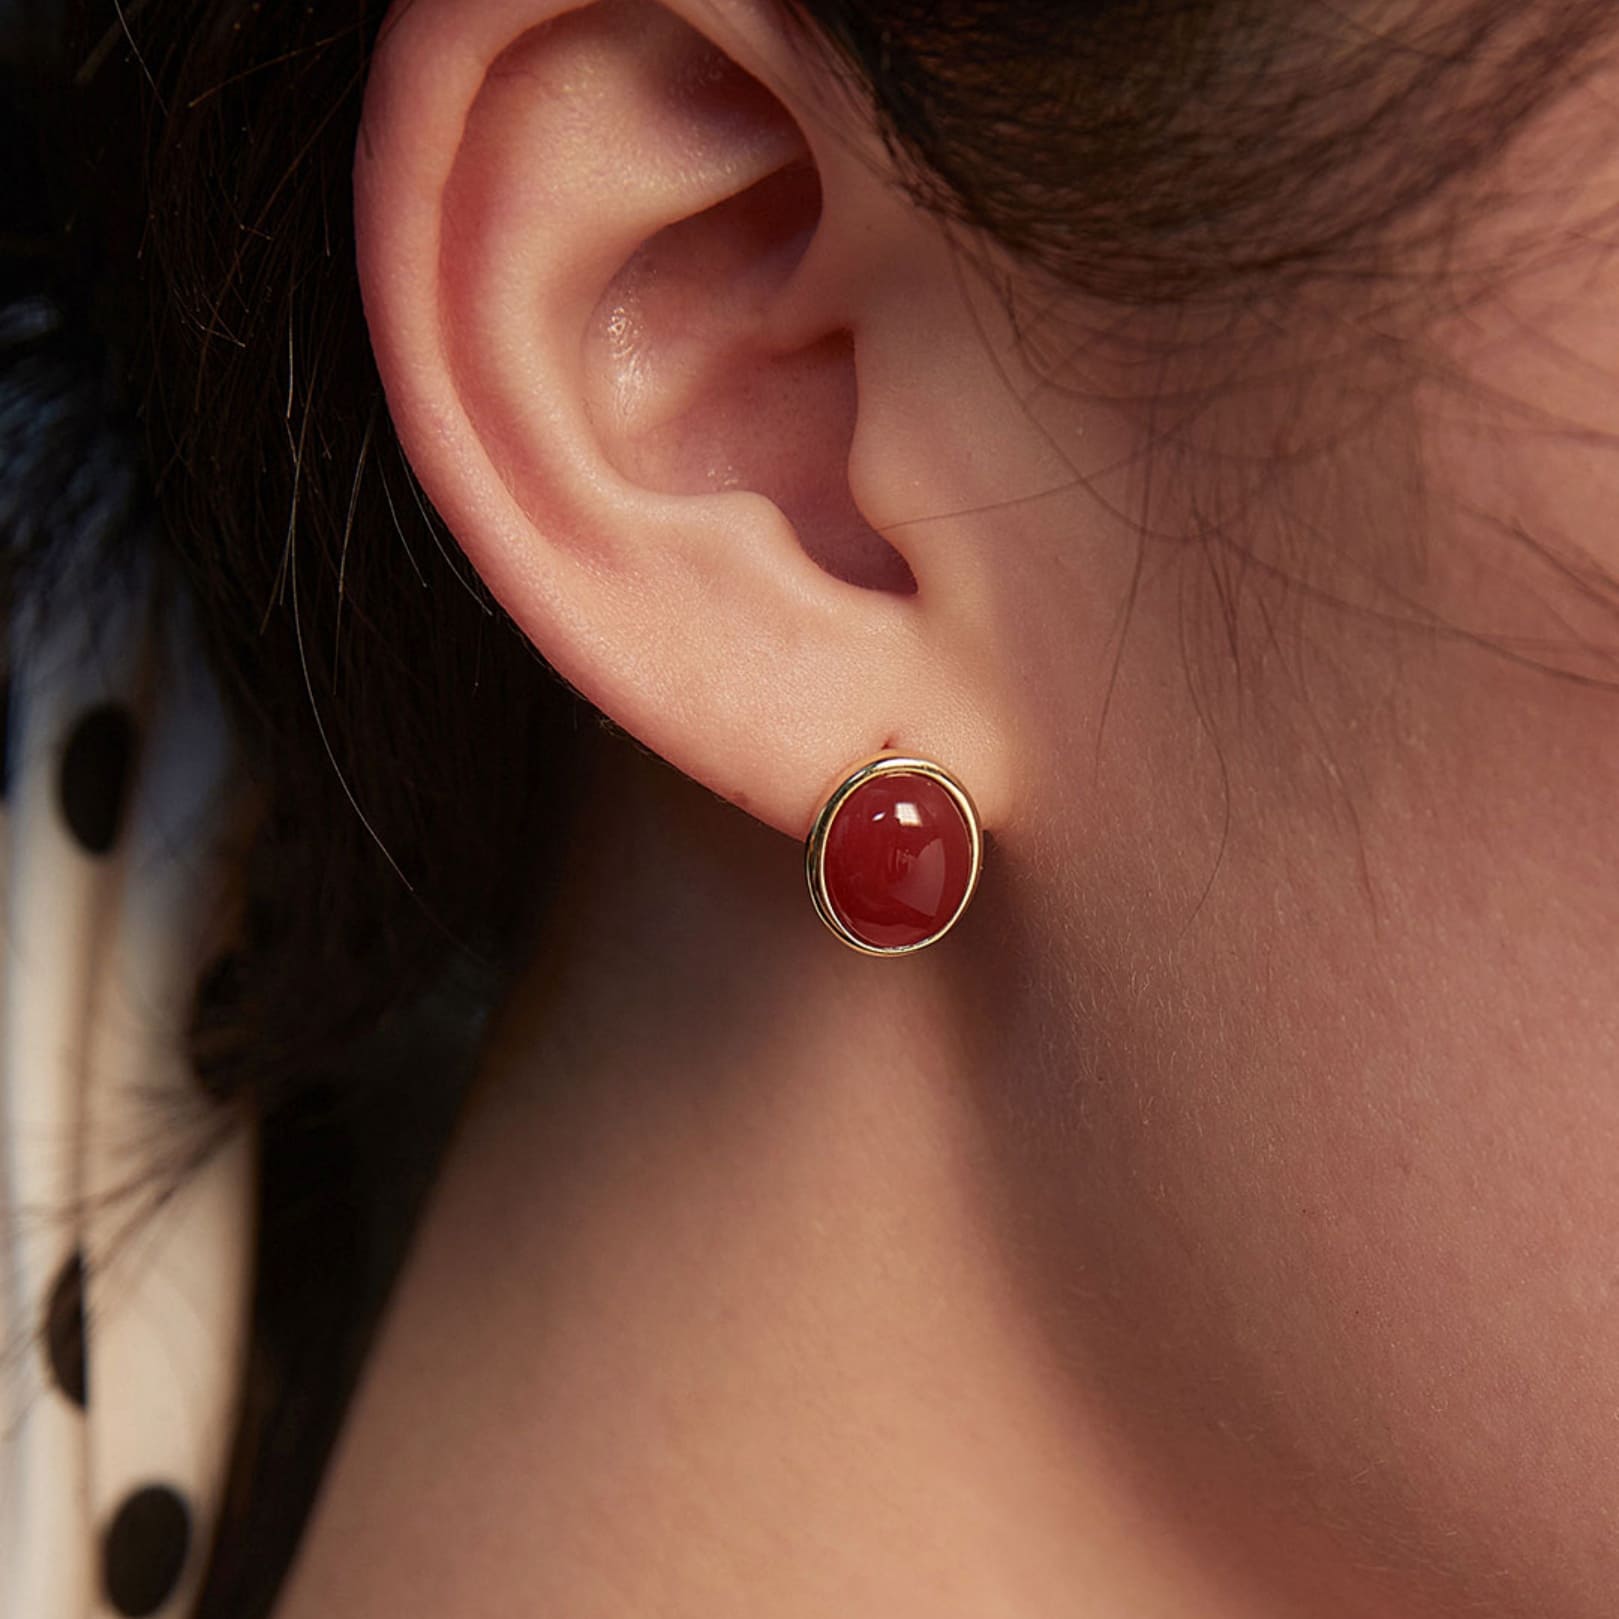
[[690, 396]]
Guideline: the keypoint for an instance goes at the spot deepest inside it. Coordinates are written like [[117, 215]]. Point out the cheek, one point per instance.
[[1333, 1145]]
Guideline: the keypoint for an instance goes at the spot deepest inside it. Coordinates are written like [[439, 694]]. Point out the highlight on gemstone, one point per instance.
[[898, 860]]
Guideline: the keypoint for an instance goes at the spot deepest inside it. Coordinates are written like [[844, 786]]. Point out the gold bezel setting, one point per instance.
[[888, 764]]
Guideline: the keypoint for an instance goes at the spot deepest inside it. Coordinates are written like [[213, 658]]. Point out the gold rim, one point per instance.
[[888, 764]]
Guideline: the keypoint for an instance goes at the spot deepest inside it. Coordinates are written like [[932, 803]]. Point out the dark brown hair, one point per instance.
[[414, 762]]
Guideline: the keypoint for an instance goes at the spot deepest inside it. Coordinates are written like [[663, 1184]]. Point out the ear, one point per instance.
[[618, 292]]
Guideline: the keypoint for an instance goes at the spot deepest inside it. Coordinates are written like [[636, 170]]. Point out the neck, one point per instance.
[[713, 1310]]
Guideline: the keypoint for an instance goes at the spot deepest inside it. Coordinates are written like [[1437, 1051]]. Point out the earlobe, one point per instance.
[[577, 228]]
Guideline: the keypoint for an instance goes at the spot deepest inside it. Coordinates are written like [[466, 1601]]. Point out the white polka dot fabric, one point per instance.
[[126, 1193]]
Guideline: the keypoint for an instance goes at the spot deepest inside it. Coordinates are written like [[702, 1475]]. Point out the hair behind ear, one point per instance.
[[415, 760]]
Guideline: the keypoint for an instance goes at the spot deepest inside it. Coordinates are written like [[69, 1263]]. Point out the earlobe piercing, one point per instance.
[[894, 855]]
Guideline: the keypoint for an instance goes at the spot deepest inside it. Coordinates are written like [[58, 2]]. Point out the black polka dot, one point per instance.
[[144, 1553], [64, 1330], [215, 1010], [219, 989], [95, 776]]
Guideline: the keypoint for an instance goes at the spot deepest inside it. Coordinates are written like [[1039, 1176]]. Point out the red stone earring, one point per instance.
[[894, 855]]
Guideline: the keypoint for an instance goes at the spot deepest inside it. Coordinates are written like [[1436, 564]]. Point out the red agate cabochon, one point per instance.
[[898, 860]]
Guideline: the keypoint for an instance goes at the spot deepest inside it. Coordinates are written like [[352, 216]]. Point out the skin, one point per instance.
[[1223, 1220]]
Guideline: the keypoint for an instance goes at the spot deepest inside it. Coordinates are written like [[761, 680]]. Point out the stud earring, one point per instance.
[[894, 855]]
